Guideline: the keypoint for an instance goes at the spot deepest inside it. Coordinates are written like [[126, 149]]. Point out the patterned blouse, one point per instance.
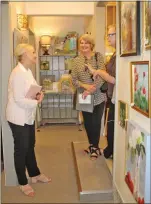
[[79, 74]]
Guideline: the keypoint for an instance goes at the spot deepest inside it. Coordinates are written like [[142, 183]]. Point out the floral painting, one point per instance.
[[123, 114], [140, 87], [135, 174], [129, 28], [147, 24]]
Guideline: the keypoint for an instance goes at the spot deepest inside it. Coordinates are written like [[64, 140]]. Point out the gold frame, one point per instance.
[[45, 64], [135, 30], [149, 88], [126, 119], [147, 47]]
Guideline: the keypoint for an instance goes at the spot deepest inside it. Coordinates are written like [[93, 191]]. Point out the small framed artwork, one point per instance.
[[44, 65], [140, 87], [147, 24], [122, 114], [129, 14]]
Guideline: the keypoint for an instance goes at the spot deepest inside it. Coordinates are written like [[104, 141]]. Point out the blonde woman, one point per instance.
[[83, 80], [20, 114]]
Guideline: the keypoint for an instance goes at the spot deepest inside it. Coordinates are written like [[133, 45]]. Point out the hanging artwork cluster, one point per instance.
[[138, 141], [140, 74]]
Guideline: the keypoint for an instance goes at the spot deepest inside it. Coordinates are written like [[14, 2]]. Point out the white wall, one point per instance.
[[9, 22], [58, 26], [59, 8], [123, 93], [96, 26]]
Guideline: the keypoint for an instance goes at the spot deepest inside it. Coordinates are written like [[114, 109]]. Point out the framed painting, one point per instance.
[[136, 164], [18, 37], [140, 87], [122, 114], [147, 24], [44, 65], [129, 20]]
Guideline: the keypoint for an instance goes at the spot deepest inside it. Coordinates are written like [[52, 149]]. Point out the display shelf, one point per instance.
[[57, 106]]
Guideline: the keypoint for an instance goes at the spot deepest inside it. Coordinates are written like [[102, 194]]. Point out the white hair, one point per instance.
[[21, 49]]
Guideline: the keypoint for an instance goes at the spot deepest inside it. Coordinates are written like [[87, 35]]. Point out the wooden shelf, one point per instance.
[[59, 55]]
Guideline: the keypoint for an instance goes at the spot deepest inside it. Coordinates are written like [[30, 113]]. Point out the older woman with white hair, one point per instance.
[[82, 80], [20, 114]]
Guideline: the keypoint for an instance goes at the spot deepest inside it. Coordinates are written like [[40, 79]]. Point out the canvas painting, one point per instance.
[[135, 171], [122, 114], [19, 37], [140, 87], [147, 24], [129, 28]]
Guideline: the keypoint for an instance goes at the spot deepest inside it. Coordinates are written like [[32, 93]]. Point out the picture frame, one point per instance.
[[141, 87], [44, 65], [137, 155], [147, 24], [122, 114], [18, 38], [129, 20]]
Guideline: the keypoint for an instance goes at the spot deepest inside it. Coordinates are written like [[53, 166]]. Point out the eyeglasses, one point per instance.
[[110, 35]]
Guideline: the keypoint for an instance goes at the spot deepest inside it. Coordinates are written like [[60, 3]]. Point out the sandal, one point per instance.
[[99, 151], [27, 190], [93, 153], [41, 178], [88, 150]]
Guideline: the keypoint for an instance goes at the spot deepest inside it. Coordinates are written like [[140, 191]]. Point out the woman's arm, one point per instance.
[[18, 91], [101, 66], [103, 74], [76, 82]]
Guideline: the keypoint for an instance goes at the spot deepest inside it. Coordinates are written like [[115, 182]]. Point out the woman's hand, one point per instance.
[[104, 75], [90, 68], [39, 97], [85, 94], [90, 88]]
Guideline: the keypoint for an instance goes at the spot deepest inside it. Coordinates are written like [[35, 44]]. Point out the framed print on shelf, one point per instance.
[[147, 24], [129, 14], [122, 114], [44, 65], [141, 87]]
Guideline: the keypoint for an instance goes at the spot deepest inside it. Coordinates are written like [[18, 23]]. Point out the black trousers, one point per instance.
[[108, 151], [92, 123], [24, 154]]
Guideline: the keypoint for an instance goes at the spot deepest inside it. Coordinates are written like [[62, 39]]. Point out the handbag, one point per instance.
[[104, 87], [86, 105]]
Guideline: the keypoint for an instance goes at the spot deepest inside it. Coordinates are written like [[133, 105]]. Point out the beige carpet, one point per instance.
[[54, 156]]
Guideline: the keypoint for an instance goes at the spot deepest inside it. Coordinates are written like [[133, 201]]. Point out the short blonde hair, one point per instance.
[[112, 26], [88, 38], [21, 49]]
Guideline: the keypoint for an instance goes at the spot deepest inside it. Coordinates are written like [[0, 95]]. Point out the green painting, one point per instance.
[[123, 114]]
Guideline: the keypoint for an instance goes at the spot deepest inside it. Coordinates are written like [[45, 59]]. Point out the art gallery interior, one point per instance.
[[60, 133]]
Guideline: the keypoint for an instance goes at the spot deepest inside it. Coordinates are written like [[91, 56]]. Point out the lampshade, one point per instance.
[[45, 40]]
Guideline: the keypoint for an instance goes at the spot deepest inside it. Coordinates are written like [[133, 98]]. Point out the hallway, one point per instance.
[[55, 158]]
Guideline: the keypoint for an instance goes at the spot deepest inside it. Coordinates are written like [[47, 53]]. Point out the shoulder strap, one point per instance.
[[96, 58]]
